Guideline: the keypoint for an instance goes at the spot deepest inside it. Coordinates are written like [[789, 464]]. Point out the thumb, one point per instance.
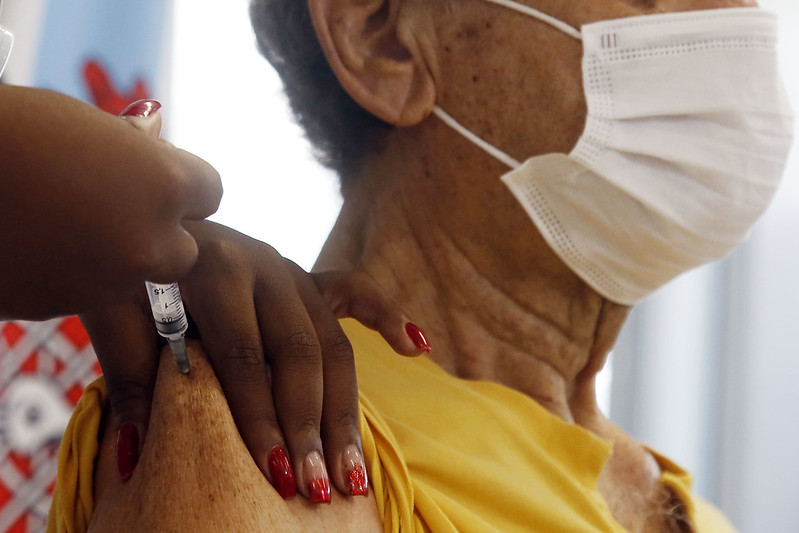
[[144, 116], [358, 296], [125, 342]]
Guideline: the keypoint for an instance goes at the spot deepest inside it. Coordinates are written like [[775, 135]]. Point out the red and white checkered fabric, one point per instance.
[[44, 367]]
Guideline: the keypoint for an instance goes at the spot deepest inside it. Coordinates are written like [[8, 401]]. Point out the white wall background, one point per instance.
[[226, 105]]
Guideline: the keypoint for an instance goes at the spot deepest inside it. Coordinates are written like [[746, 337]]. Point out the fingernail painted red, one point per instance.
[[141, 108], [320, 490], [357, 481], [315, 471], [127, 449], [355, 471], [282, 473], [417, 337]]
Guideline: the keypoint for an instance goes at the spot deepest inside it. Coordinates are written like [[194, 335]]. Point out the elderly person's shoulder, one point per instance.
[[194, 472]]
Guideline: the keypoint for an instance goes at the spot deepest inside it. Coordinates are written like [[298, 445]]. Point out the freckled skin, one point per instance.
[[196, 474]]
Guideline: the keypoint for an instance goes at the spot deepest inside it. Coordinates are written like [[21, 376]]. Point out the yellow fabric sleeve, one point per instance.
[[73, 495]]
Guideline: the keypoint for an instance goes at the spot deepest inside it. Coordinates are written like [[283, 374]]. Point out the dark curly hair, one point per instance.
[[340, 130]]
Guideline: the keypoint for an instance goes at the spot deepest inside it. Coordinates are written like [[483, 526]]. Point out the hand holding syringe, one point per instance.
[[226, 309], [170, 319], [285, 298]]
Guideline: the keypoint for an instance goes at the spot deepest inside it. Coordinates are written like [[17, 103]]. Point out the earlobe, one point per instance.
[[376, 49]]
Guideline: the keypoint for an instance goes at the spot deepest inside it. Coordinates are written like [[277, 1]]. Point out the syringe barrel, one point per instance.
[[172, 331], [167, 308]]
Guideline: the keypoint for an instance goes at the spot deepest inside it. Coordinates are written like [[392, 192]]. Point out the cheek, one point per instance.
[[517, 84], [545, 112]]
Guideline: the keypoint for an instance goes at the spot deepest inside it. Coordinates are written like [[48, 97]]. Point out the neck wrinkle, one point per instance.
[[481, 324]]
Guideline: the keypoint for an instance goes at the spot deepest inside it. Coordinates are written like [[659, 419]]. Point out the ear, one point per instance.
[[378, 51]]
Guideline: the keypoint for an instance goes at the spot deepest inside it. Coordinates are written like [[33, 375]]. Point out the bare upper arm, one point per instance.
[[195, 473]]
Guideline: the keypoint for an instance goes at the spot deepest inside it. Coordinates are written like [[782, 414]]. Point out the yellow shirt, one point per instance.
[[445, 455]]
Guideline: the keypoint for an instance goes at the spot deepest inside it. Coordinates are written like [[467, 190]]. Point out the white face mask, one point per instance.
[[685, 142]]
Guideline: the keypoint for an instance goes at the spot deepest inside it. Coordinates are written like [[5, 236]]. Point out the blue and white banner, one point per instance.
[[107, 53]]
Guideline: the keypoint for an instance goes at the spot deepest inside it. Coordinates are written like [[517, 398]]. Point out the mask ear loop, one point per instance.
[[492, 150], [454, 124], [543, 17]]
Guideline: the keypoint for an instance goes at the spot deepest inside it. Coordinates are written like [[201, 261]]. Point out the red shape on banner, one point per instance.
[[5, 494], [13, 332], [105, 94], [58, 367], [20, 526], [30, 365], [22, 463], [74, 393], [72, 329]]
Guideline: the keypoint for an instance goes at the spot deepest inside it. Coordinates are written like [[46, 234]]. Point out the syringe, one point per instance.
[[170, 319]]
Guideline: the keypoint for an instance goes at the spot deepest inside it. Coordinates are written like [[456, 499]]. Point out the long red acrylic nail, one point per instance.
[[417, 337], [127, 449], [355, 471], [315, 474], [320, 490], [356, 478], [282, 473], [141, 108]]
